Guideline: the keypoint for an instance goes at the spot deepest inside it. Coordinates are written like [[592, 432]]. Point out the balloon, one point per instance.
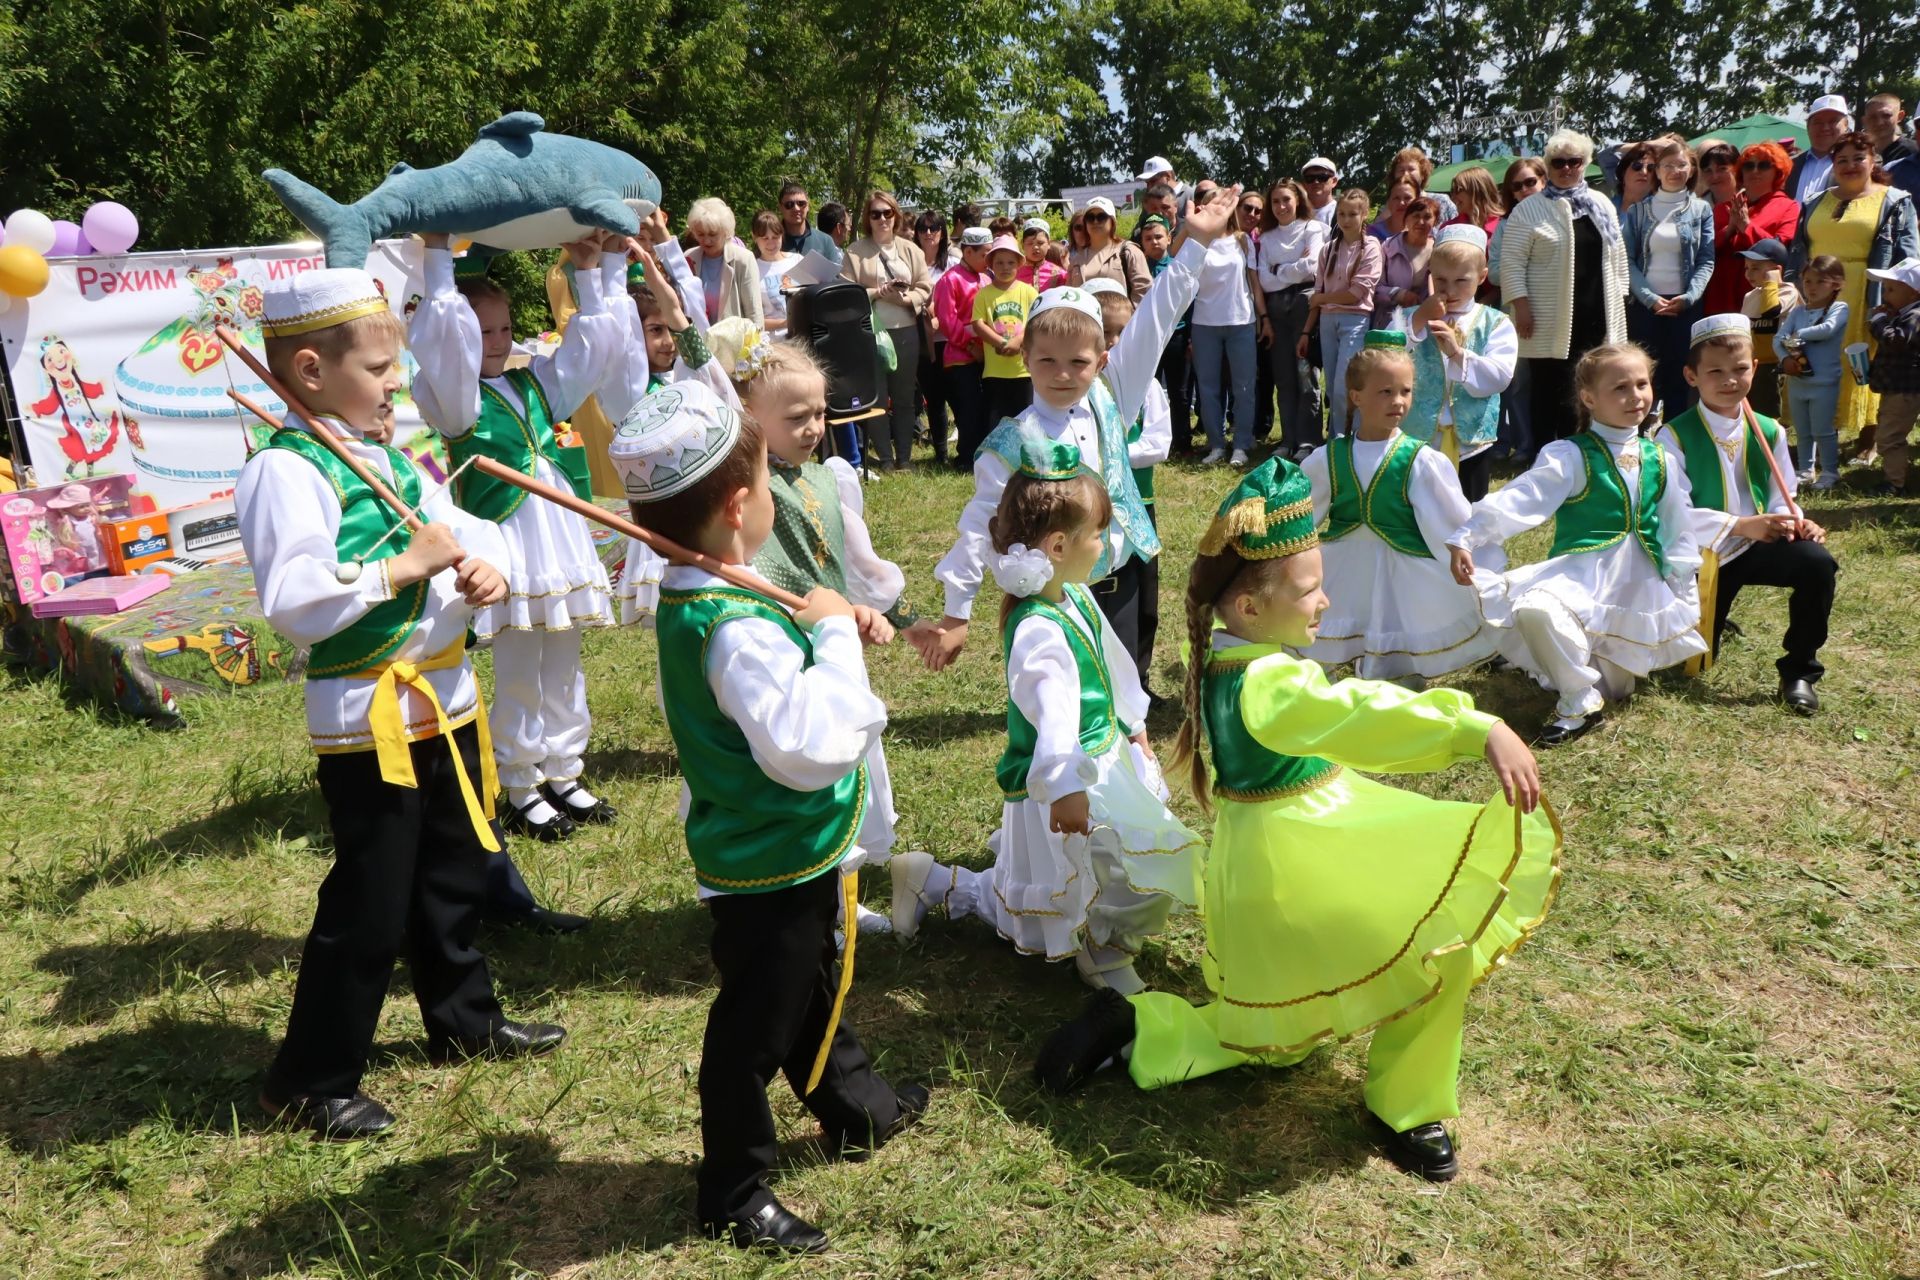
[[23, 272], [66, 239], [30, 229], [110, 227]]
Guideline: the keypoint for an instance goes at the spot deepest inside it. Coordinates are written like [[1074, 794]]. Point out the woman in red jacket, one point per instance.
[[1760, 210]]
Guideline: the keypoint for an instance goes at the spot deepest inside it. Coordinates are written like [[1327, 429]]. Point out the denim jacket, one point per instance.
[[1695, 224], [1895, 239]]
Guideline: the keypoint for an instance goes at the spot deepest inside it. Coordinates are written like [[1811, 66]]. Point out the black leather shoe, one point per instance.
[[508, 1040], [1556, 735], [772, 1228], [598, 814], [1799, 696], [558, 827], [335, 1119], [1424, 1149], [1078, 1049], [542, 920], [855, 1149]]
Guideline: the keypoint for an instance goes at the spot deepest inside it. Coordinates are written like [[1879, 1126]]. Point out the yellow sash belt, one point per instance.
[[389, 727], [850, 928], [1709, 591]]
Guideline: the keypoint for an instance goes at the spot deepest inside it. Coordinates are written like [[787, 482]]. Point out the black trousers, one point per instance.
[[778, 972], [1119, 596], [1004, 398], [890, 437], [1172, 373], [966, 398], [1807, 570], [933, 394], [1476, 473], [408, 873]]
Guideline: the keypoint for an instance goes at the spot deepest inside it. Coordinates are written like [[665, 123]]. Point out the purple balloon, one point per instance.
[[66, 239], [110, 227]]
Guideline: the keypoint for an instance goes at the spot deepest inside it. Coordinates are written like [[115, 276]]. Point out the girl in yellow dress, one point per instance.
[[1335, 905]]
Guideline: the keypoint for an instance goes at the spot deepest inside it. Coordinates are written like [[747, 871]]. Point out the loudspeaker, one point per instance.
[[836, 320]]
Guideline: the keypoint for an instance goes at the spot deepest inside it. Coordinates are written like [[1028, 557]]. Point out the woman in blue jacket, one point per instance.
[[1669, 237]]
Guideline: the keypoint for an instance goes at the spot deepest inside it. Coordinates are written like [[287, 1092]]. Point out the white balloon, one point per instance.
[[31, 228]]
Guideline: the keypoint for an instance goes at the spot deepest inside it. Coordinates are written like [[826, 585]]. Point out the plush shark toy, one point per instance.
[[516, 187]]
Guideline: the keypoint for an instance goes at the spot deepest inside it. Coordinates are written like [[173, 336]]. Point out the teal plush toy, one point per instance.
[[516, 187]]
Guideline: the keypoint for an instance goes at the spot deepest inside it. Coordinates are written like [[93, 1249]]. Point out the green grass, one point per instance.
[[1705, 1065]]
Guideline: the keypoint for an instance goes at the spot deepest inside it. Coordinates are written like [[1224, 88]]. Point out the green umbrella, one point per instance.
[[1760, 128], [1442, 179]]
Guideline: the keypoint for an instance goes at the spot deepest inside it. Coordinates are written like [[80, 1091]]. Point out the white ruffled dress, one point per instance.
[[1392, 614]]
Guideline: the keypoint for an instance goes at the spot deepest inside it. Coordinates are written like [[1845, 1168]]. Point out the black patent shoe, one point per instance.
[[771, 1228], [1558, 735], [855, 1149], [558, 827], [508, 1040], [335, 1119], [1425, 1150], [1799, 697], [598, 814], [1081, 1047], [542, 920]]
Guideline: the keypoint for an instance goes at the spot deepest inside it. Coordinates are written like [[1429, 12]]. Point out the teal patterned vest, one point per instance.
[[1476, 421]]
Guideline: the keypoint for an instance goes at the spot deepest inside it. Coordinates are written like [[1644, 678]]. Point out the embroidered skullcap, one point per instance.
[[976, 238], [1269, 514], [1395, 338], [1464, 232], [1074, 299], [1044, 459], [1103, 285], [671, 440], [472, 266], [319, 299], [1721, 326]]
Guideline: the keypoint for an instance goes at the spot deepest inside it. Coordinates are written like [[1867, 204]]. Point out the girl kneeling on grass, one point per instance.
[[1334, 905], [1616, 598], [1088, 861]]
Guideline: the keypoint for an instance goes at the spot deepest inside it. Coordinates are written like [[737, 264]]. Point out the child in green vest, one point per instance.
[[773, 722], [1088, 861], [1335, 905], [1749, 530], [393, 708], [1389, 503], [462, 336], [1616, 599], [1464, 354]]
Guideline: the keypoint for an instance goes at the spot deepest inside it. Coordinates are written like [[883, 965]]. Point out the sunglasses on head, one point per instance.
[[793, 204], [1567, 162]]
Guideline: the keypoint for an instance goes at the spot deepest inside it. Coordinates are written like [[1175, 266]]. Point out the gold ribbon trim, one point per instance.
[[1709, 590], [390, 733]]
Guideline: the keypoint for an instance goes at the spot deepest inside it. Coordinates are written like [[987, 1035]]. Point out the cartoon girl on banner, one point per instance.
[[85, 437]]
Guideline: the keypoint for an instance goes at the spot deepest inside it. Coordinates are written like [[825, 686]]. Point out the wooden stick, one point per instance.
[[254, 409], [1773, 463], [234, 344], [666, 548]]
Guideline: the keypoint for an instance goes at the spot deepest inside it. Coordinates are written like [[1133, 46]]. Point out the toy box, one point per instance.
[[100, 595], [57, 535], [204, 531]]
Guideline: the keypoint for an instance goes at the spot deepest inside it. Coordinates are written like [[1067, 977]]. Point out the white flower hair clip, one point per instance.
[[740, 346], [1022, 571]]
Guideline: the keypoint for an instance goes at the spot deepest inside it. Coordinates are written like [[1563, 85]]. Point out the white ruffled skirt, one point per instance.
[[1053, 895], [637, 594], [1394, 615], [1631, 617], [555, 581]]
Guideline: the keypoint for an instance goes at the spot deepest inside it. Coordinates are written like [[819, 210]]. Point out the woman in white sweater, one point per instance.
[[1285, 256], [1563, 270]]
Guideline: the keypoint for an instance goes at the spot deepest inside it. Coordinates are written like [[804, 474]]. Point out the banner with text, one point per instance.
[[115, 367]]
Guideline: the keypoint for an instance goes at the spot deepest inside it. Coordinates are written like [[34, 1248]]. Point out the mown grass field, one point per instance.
[[1707, 1064]]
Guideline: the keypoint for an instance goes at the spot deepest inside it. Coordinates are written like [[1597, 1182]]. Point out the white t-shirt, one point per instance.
[[1224, 298], [775, 302]]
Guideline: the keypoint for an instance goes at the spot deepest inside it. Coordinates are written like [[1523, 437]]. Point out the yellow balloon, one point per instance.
[[23, 272]]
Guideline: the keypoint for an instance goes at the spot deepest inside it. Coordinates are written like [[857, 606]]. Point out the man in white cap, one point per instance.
[[1320, 176], [1827, 119], [393, 709]]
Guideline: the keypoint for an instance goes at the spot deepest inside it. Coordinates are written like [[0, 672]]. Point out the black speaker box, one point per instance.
[[836, 320]]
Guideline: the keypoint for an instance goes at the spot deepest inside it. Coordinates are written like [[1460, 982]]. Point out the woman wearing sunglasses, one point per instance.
[[1105, 256], [1636, 180], [1563, 269]]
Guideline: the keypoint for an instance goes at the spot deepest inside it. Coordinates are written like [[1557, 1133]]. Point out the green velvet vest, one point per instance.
[[1383, 506], [1702, 455], [808, 543], [1243, 770], [364, 520], [1599, 515], [745, 832], [512, 437], [1098, 727]]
